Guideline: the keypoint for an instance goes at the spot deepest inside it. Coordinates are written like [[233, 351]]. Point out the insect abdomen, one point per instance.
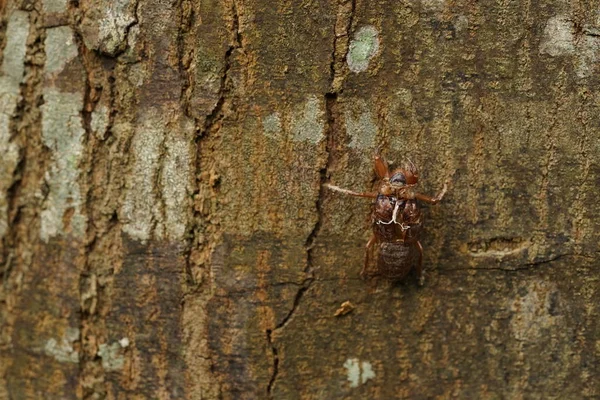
[[395, 260]]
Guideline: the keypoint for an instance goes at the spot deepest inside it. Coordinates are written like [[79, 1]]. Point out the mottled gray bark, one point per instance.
[[164, 232]]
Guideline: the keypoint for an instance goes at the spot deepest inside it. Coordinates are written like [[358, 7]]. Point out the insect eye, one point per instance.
[[398, 179]]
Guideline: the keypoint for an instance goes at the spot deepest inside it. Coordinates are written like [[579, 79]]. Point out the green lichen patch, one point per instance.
[[62, 133], [358, 372], [532, 316], [12, 75], [272, 126], [176, 183], [16, 41], [112, 355], [63, 350], [139, 209], [158, 207], [99, 123], [558, 38], [106, 24], [60, 48], [54, 6], [362, 48], [308, 123], [361, 127]]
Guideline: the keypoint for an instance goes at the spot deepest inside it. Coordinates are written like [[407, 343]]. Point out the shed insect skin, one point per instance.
[[396, 220]]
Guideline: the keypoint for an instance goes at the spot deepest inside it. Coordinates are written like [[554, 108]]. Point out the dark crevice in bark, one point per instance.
[[203, 128], [237, 36], [275, 366], [275, 353], [128, 27], [22, 234], [112, 104], [212, 120], [349, 26], [332, 125], [89, 363], [4, 16], [13, 210], [203, 231], [341, 38], [158, 179], [211, 124], [24, 119], [526, 266], [13, 219], [92, 325], [339, 52], [89, 99], [185, 56], [86, 270], [185, 60], [226, 85], [591, 32], [122, 49]]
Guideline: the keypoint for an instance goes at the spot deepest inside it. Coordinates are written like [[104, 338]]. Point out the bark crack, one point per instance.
[[203, 231], [340, 49], [211, 124], [124, 46], [185, 59], [128, 27], [158, 179], [226, 85], [341, 39], [528, 265], [90, 367], [21, 121], [274, 351]]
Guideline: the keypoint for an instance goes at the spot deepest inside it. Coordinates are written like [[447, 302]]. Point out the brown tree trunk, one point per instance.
[[165, 232]]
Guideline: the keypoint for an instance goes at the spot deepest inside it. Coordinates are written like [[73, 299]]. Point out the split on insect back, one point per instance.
[[396, 221]]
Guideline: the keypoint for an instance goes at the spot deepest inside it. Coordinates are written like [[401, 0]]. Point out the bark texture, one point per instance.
[[164, 231]]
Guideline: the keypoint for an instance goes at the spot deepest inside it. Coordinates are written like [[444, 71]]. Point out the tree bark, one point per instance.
[[165, 232]]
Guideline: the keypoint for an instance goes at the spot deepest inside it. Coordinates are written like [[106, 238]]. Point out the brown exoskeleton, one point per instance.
[[396, 221]]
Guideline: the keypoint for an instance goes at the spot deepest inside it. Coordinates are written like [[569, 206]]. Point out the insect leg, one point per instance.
[[381, 168], [350, 192], [368, 249], [433, 200], [420, 275]]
